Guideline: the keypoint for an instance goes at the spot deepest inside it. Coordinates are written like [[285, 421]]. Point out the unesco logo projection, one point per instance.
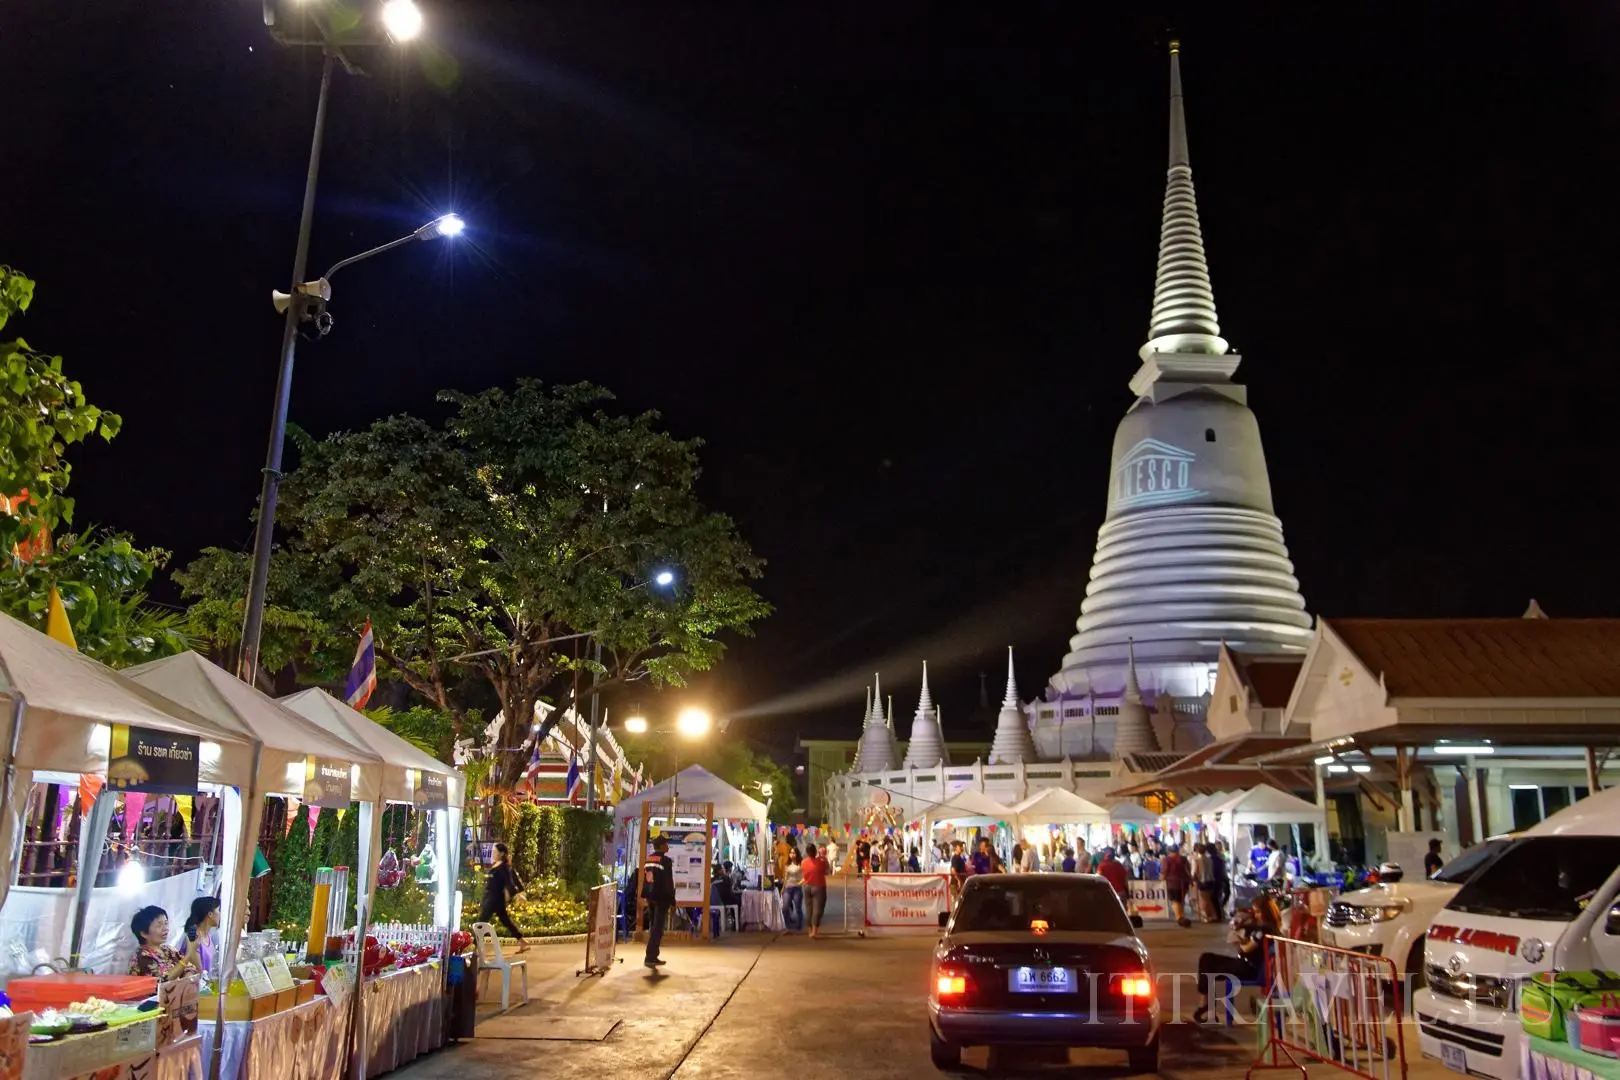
[[1154, 473]]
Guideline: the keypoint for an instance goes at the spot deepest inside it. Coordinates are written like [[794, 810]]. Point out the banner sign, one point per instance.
[[1149, 899], [906, 899], [428, 790], [603, 936], [141, 759], [327, 783]]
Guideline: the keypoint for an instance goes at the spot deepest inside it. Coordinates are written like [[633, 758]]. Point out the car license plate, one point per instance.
[[1454, 1057], [1034, 980]]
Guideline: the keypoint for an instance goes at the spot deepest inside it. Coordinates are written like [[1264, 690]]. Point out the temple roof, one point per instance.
[[1488, 658]]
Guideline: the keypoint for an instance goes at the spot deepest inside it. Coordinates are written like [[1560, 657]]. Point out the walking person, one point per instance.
[[658, 889], [792, 894], [501, 885], [1177, 876], [814, 870]]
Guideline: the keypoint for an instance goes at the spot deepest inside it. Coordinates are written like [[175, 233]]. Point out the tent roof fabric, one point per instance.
[[1263, 803], [350, 724], [67, 692], [1126, 812], [971, 804], [1060, 806], [694, 784]]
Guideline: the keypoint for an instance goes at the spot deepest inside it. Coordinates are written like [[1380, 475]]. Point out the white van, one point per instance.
[[1547, 902]]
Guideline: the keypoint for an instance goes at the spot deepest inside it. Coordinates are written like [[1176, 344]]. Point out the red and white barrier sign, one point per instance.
[[906, 899]]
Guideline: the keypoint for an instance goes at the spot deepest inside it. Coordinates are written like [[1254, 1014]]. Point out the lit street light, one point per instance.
[[692, 723], [401, 20], [661, 578], [664, 578]]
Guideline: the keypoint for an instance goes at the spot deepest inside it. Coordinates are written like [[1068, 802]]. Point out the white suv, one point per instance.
[[1392, 919]]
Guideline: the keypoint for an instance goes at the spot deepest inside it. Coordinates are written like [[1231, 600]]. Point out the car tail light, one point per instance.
[[1039, 926], [1136, 986], [950, 984]]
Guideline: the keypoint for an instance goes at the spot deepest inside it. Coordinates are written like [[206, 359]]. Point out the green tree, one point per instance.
[[481, 549], [42, 413], [323, 845], [102, 578]]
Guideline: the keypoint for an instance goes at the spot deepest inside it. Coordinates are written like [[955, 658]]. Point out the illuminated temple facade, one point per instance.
[[1190, 556]]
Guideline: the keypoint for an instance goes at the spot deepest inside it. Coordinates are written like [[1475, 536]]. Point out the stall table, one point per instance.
[[306, 1042], [762, 908], [1544, 1059], [116, 1051], [404, 1013]]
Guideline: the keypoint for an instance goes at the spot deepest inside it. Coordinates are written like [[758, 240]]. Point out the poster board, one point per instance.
[[601, 937], [691, 848], [896, 900]]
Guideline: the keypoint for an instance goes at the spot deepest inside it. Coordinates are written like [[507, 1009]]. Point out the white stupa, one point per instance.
[[1191, 552], [876, 750], [1133, 733], [927, 746], [1012, 741]]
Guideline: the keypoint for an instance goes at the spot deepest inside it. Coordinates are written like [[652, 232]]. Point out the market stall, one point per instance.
[[299, 760], [1057, 818], [1242, 818], [397, 1016], [972, 809], [693, 787], [72, 723]]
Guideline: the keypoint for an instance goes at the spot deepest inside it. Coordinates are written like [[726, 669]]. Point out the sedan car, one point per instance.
[[1042, 960]]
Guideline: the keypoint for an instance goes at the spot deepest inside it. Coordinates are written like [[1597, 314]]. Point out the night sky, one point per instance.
[[892, 263]]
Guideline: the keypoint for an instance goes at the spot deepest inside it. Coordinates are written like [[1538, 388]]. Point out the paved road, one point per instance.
[[783, 1006]]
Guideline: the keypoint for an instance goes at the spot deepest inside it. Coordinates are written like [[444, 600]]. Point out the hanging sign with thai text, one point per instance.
[[142, 759]]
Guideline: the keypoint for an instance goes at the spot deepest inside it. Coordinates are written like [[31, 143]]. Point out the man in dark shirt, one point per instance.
[[658, 889], [1432, 862]]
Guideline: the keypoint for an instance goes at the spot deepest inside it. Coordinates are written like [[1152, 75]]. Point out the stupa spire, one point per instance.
[[1133, 734], [927, 746], [876, 752], [1183, 318], [1012, 741]]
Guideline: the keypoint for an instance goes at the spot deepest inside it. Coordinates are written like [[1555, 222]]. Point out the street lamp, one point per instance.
[[663, 579], [691, 723], [402, 20]]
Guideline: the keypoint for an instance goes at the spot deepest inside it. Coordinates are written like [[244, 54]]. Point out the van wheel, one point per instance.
[[945, 1055], [1415, 979], [1145, 1059]]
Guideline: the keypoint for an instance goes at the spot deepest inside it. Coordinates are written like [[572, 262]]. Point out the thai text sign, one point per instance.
[[1149, 899], [141, 759], [327, 783], [428, 791], [906, 899]]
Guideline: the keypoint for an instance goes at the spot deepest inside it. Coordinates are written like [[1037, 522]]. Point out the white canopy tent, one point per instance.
[[970, 807], [693, 784], [1126, 812], [402, 781], [62, 707], [1059, 806], [1268, 806]]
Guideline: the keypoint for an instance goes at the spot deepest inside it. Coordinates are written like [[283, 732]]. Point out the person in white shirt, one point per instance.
[[1031, 862], [831, 853], [1274, 863]]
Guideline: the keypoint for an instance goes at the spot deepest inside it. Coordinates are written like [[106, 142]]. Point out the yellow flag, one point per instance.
[[56, 622], [182, 805]]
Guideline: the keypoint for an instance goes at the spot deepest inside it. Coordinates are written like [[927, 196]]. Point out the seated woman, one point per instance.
[[1250, 928], [153, 955]]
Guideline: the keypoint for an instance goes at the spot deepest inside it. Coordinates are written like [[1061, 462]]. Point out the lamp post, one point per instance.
[[402, 21]]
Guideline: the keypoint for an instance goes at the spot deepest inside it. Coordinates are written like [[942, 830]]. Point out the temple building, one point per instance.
[[1190, 558]]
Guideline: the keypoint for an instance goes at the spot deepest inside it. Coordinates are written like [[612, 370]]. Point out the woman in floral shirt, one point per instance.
[[153, 955]]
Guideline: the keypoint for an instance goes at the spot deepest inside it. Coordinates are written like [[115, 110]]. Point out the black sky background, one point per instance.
[[892, 261]]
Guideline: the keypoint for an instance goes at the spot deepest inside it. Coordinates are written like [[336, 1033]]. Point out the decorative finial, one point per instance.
[[1012, 682], [926, 702]]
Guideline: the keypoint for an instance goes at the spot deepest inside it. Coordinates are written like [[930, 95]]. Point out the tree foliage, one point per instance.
[[42, 413], [292, 868], [102, 578], [480, 547]]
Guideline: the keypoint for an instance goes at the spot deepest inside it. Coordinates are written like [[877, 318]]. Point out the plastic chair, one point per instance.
[[490, 959]]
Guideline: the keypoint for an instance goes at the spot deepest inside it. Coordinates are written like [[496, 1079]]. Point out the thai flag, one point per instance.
[[573, 776], [363, 675], [534, 763]]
